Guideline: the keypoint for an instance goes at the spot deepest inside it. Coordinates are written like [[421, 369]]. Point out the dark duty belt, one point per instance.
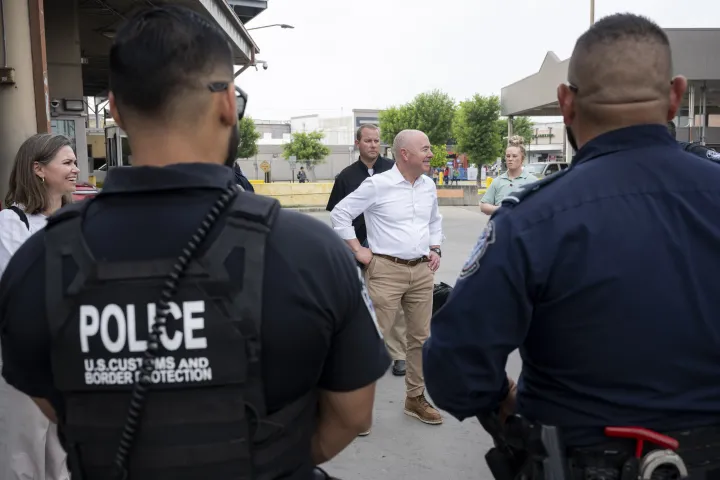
[[410, 263], [535, 452]]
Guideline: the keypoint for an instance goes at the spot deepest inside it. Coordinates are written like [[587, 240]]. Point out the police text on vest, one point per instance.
[[94, 322], [126, 371], [109, 338]]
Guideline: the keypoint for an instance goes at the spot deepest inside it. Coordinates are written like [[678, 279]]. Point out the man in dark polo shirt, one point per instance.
[[370, 162]]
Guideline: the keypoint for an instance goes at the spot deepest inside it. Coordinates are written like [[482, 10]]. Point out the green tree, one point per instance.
[[308, 148], [430, 112], [433, 114], [439, 156], [521, 126], [248, 138], [392, 121], [475, 129]]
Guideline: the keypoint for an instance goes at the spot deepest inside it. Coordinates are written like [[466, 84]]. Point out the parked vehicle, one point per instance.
[[544, 169], [83, 191]]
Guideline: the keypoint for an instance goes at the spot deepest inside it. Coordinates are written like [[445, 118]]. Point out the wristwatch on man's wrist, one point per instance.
[[437, 250]]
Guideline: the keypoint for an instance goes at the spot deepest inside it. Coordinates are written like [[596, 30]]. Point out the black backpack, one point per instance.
[[441, 293], [701, 150]]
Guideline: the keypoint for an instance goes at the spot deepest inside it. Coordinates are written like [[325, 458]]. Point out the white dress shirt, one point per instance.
[[402, 219], [13, 233], [29, 443]]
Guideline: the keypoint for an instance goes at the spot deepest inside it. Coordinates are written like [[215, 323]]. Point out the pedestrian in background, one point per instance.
[[301, 175]]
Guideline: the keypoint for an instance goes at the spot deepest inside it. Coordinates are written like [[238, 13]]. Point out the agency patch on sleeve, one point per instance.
[[368, 302], [487, 238], [713, 155]]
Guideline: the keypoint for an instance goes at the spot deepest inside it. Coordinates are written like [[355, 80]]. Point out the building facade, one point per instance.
[[547, 143], [695, 56], [56, 56], [339, 137]]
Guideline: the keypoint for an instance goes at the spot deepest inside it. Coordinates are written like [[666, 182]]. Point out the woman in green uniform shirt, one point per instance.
[[510, 181]]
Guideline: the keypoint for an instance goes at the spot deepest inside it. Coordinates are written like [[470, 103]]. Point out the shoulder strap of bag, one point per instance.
[[22, 215]]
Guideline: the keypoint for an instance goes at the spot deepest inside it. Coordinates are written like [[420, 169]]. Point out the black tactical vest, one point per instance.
[[205, 415], [701, 150]]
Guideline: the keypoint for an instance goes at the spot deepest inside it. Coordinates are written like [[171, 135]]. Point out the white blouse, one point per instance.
[[13, 233]]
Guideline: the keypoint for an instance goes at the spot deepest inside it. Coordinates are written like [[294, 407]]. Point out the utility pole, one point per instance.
[[592, 12]]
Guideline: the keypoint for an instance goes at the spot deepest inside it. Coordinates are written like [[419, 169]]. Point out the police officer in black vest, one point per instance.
[[695, 147], [174, 327]]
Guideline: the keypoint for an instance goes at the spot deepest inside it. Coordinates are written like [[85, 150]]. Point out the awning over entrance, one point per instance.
[[695, 55], [246, 10], [98, 20]]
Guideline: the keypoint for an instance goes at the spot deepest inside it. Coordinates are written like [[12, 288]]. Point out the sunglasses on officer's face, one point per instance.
[[240, 99]]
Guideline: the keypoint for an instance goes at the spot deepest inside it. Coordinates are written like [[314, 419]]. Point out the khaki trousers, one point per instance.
[[396, 339], [392, 285]]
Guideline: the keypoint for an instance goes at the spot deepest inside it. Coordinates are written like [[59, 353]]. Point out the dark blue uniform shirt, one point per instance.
[[605, 277], [317, 330]]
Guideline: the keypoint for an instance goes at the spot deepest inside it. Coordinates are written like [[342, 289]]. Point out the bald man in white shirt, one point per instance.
[[404, 230]]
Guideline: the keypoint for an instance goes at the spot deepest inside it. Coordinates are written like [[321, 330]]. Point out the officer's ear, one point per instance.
[[114, 111], [678, 85], [566, 100], [228, 108]]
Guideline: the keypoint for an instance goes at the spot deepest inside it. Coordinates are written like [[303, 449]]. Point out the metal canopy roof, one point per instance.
[[246, 10], [98, 20], [695, 55]]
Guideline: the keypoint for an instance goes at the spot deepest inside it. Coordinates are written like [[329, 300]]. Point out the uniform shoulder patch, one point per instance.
[[713, 155], [529, 189], [487, 238], [368, 301]]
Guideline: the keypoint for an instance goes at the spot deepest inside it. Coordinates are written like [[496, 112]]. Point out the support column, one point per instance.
[[691, 114], [510, 126], [18, 120], [703, 106], [64, 65], [36, 14]]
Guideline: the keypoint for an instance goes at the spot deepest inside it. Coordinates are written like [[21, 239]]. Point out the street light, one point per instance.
[[592, 12], [281, 25]]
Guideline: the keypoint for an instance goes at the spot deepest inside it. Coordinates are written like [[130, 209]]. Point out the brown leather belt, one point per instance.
[[401, 261]]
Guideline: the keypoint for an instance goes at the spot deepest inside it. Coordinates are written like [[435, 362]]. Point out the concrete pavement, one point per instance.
[[400, 447]]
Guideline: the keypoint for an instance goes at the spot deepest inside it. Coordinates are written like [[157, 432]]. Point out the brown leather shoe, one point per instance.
[[421, 409]]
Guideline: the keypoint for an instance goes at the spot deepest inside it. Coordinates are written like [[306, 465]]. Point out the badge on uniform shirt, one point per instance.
[[486, 239], [713, 155], [368, 301]]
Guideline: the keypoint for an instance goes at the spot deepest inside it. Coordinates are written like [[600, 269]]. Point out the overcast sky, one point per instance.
[[346, 54]]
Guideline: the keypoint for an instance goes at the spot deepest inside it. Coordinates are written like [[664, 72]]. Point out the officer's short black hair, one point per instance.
[[161, 55], [606, 43], [622, 26], [623, 59]]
